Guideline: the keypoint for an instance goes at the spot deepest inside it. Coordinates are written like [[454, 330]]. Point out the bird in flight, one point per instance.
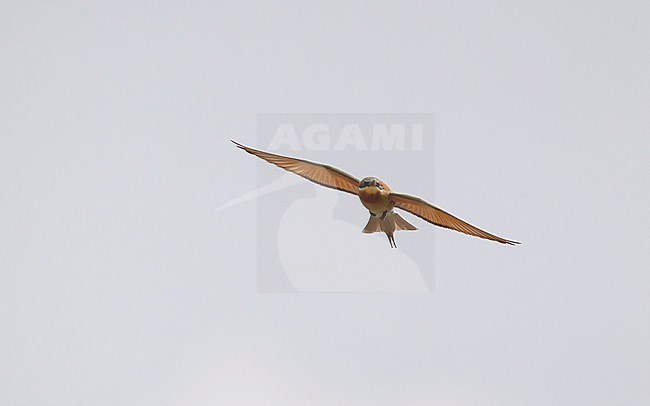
[[376, 196]]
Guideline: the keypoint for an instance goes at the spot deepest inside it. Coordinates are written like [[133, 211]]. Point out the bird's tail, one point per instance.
[[401, 224], [391, 223]]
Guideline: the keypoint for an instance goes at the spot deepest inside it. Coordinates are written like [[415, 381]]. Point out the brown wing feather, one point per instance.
[[321, 174], [434, 215]]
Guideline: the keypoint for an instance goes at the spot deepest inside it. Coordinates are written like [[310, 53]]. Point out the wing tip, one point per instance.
[[238, 144], [245, 148], [508, 242]]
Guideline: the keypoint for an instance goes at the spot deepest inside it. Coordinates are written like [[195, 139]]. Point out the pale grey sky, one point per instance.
[[122, 285]]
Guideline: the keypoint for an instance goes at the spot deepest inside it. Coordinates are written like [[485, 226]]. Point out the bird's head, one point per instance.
[[372, 182]]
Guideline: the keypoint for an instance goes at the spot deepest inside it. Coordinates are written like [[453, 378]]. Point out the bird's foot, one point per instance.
[[383, 216]]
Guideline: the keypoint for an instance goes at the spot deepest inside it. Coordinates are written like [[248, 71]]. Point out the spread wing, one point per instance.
[[434, 215], [323, 175]]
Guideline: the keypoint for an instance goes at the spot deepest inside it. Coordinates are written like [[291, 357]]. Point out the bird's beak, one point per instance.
[[367, 183]]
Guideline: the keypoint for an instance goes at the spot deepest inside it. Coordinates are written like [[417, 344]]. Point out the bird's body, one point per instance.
[[375, 200], [375, 196]]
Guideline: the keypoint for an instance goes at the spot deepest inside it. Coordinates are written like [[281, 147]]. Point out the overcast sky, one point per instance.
[[122, 285]]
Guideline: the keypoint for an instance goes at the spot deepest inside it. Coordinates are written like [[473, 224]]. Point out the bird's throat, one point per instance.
[[370, 194], [374, 199]]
